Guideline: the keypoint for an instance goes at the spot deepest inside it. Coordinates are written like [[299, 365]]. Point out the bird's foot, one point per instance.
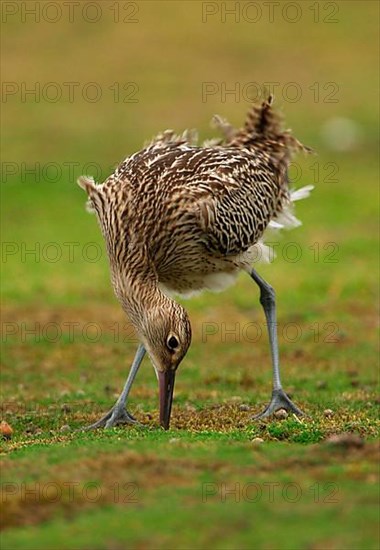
[[279, 401], [116, 416]]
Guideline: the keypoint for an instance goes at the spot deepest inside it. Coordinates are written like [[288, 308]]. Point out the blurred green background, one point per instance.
[[85, 85]]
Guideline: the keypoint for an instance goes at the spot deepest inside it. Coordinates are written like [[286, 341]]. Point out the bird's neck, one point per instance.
[[136, 286]]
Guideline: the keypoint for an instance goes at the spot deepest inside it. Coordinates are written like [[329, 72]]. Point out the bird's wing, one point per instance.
[[243, 198]]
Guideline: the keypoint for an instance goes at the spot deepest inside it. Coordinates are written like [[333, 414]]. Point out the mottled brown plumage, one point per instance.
[[180, 218]]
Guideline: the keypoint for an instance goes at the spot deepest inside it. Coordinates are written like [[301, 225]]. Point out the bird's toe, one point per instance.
[[278, 401]]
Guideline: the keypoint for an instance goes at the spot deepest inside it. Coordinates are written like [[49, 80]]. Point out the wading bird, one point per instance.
[[179, 218]]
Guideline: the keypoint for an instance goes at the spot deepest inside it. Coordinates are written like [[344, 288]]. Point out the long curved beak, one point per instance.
[[166, 382]]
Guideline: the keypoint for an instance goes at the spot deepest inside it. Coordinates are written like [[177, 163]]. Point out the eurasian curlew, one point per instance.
[[179, 218]]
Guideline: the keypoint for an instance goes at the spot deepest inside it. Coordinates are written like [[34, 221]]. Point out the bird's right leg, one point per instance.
[[279, 400], [118, 414]]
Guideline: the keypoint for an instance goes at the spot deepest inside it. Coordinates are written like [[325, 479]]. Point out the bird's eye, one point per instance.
[[172, 343]]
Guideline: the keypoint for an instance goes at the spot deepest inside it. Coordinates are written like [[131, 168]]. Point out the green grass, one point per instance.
[[142, 487]]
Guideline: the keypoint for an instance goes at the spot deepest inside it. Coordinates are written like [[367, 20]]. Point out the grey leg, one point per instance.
[[118, 414], [279, 398]]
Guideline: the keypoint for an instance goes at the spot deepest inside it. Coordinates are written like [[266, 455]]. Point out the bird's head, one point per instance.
[[165, 331]]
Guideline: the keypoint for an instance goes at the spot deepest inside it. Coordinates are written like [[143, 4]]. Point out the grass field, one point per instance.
[[217, 479]]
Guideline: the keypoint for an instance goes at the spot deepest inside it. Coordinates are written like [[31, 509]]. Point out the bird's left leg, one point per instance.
[[118, 414], [279, 398]]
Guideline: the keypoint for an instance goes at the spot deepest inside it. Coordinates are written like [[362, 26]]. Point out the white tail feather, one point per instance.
[[285, 220], [275, 225], [302, 193]]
